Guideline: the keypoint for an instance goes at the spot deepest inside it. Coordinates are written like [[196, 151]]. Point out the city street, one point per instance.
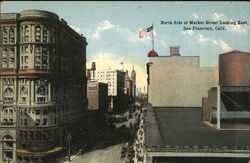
[[112, 153], [107, 155]]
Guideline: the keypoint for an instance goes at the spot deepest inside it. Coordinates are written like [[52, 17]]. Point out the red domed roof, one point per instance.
[[152, 53]]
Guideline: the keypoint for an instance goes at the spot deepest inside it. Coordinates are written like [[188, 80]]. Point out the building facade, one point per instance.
[[178, 81], [133, 78], [97, 94], [234, 92], [42, 84], [115, 81]]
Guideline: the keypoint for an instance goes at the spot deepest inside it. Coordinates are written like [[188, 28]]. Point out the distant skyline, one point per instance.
[[111, 29]]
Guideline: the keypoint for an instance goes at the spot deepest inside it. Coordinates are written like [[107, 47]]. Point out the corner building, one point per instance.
[[42, 85]]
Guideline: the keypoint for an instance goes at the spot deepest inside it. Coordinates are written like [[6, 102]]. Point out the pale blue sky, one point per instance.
[[111, 28]]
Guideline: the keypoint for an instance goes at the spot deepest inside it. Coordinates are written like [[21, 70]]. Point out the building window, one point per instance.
[[26, 31], [25, 122], [8, 92], [37, 112], [45, 34], [12, 36], [8, 100], [37, 122], [44, 122], [26, 59], [45, 112], [41, 100], [38, 33], [41, 90], [23, 99]]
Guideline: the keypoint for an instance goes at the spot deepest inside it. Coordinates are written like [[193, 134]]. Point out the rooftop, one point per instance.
[[182, 128]]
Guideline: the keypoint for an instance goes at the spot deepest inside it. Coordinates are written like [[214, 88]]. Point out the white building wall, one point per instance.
[[179, 81], [109, 77]]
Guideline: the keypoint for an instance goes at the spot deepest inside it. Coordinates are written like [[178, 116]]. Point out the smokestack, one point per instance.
[[174, 50], [93, 66]]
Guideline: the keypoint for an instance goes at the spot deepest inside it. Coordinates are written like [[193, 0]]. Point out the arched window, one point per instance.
[[41, 90], [7, 137], [8, 91], [11, 112], [24, 90]]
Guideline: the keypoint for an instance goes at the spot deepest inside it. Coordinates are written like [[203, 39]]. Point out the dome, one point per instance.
[[152, 53]]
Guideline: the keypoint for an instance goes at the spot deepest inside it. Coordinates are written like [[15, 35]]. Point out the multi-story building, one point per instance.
[[42, 84], [115, 81], [128, 88], [97, 94], [178, 81], [133, 77], [177, 129], [233, 91]]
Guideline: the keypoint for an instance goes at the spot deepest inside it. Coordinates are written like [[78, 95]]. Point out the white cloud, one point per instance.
[[201, 38], [224, 46], [218, 42], [195, 15], [124, 33], [106, 60], [217, 16], [164, 44], [103, 26], [188, 32], [231, 27]]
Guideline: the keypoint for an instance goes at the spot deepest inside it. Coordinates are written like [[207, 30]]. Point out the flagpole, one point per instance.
[[153, 36]]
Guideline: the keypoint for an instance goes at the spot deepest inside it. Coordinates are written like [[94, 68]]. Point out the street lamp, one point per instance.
[[69, 139]]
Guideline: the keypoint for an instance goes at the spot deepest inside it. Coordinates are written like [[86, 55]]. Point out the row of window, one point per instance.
[[7, 58], [36, 111], [9, 100], [8, 121], [37, 33], [8, 111], [7, 35], [38, 122], [30, 135]]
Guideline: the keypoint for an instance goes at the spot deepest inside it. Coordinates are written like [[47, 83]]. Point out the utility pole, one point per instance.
[[218, 106], [69, 139]]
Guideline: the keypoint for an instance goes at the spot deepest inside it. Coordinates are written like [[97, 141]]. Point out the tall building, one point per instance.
[[115, 81], [178, 81], [128, 85], [42, 84], [97, 94], [133, 77]]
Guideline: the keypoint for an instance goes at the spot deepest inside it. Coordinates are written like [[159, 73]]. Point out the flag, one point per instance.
[[145, 32]]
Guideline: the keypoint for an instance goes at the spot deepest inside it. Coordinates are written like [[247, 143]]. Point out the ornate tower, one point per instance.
[[133, 77]]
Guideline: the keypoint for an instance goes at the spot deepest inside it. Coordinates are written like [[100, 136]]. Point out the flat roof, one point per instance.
[[182, 128]]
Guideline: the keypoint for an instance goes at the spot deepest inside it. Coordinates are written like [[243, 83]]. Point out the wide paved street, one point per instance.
[[107, 155]]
